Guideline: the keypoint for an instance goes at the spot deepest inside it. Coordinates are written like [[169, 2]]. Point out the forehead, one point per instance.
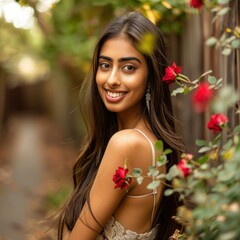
[[119, 47]]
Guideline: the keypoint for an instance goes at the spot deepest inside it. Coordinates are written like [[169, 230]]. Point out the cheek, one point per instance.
[[100, 81], [138, 83], [98, 78]]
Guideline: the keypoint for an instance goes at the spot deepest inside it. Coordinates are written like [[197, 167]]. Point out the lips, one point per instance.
[[115, 96]]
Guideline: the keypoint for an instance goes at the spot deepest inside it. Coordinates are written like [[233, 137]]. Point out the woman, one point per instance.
[[128, 108]]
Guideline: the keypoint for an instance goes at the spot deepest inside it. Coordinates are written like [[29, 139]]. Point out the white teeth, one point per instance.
[[114, 94]]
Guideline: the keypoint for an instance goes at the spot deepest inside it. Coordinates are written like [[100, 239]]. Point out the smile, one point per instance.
[[115, 97], [115, 94]]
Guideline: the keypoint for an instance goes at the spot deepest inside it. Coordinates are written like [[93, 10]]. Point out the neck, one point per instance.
[[130, 120]]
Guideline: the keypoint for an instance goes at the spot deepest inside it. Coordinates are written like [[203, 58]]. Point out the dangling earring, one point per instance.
[[148, 97]]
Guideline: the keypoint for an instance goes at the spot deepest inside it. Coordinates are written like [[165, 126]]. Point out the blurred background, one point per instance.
[[46, 48]]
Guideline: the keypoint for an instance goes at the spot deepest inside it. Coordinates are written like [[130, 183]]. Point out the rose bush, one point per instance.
[[207, 182]]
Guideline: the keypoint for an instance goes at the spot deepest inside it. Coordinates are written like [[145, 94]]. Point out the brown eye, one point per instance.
[[104, 66], [129, 68]]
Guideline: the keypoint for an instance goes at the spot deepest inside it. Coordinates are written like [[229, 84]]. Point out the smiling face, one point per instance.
[[121, 76]]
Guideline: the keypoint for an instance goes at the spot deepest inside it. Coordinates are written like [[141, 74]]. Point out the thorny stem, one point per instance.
[[163, 182], [204, 74]]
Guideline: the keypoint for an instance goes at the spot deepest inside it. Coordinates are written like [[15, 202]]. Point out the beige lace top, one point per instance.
[[115, 231]]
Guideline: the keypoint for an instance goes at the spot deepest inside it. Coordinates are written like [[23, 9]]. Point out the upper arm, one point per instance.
[[104, 199]]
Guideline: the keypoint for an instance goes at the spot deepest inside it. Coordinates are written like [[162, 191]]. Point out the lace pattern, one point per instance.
[[115, 231]]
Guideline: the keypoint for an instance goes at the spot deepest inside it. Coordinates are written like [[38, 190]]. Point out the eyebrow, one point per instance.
[[124, 59]]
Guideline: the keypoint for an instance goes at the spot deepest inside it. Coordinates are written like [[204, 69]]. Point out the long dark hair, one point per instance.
[[102, 124]]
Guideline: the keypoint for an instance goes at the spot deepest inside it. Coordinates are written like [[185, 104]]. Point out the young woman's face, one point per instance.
[[121, 76]]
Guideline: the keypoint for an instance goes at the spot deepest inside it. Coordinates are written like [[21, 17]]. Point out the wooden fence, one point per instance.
[[190, 51]]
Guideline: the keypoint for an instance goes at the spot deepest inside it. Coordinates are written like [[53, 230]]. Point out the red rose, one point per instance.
[[201, 97], [171, 73], [217, 121], [196, 3], [185, 169], [120, 178]]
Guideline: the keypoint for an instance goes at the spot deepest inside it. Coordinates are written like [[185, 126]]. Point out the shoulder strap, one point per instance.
[[151, 144], [154, 192]]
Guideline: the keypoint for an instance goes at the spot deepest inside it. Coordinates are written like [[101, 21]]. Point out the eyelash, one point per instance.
[[105, 66], [132, 68]]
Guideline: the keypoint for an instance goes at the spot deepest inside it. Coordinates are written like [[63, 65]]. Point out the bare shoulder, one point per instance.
[[127, 138], [131, 144]]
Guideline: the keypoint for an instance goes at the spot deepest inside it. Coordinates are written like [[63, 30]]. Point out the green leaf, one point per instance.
[[225, 175], [147, 44], [161, 160], [226, 51], [153, 184], [168, 192], [223, 1], [203, 159], [230, 39], [167, 151], [173, 172], [212, 80], [201, 143], [236, 129], [205, 166], [186, 90], [223, 11], [151, 169], [204, 149], [159, 146], [219, 81], [236, 43], [211, 41], [216, 140], [223, 37], [155, 173], [176, 91], [140, 180], [136, 172], [228, 144], [161, 176]]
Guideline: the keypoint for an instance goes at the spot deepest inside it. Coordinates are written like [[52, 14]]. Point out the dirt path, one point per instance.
[[35, 169]]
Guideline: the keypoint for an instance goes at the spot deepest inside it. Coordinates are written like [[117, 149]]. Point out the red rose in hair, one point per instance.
[[217, 121], [171, 73], [185, 169], [201, 97], [196, 3], [120, 178]]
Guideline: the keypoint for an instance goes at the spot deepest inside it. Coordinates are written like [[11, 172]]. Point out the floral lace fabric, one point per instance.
[[115, 231]]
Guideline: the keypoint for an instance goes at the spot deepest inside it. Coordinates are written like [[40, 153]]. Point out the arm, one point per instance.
[[104, 199]]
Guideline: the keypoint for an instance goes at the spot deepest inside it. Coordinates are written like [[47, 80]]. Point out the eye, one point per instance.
[[129, 68], [104, 66]]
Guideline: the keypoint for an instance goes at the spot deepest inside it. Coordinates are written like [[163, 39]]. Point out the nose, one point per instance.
[[113, 79]]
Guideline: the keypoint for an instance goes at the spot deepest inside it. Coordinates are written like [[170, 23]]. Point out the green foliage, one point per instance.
[[55, 200], [147, 44]]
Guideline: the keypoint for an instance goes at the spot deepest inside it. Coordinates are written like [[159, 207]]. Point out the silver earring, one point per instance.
[[148, 97]]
